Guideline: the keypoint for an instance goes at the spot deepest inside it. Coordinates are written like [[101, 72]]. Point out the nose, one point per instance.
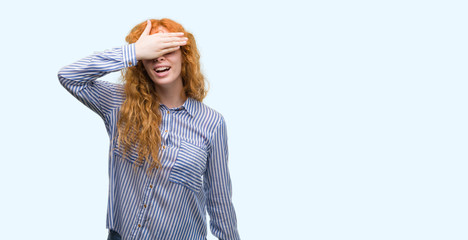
[[160, 59]]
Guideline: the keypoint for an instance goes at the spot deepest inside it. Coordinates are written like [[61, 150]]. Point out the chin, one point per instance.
[[164, 81]]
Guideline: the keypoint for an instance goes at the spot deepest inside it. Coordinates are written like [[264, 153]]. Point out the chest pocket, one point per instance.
[[189, 166]]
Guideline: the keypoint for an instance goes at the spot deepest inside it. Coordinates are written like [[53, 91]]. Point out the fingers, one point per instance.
[[170, 34], [169, 39], [174, 39], [173, 44], [147, 28], [168, 50]]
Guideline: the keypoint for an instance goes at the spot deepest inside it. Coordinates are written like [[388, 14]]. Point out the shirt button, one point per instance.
[[139, 225], [165, 130], [144, 205], [164, 147], [151, 186], [168, 112]]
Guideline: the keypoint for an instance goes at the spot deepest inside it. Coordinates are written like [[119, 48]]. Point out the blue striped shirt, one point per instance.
[[194, 176]]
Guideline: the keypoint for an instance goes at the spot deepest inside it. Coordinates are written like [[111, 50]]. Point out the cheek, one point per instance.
[[177, 62], [178, 57], [147, 65]]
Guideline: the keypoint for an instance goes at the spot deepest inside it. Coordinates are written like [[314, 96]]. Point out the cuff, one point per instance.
[[128, 55]]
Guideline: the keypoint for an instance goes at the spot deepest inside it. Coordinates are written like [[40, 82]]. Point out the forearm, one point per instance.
[[90, 68], [218, 188], [79, 78], [223, 217]]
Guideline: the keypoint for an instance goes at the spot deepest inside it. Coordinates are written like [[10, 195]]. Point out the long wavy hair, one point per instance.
[[139, 116]]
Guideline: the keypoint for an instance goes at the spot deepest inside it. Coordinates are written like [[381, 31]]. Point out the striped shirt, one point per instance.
[[194, 176]]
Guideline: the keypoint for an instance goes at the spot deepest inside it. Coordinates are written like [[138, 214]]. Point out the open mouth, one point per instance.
[[162, 69]]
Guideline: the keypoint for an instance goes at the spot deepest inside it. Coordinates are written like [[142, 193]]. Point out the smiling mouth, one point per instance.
[[162, 69]]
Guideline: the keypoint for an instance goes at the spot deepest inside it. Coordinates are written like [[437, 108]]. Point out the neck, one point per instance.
[[171, 96]]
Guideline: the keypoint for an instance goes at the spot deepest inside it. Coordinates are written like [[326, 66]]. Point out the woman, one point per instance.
[[168, 158]]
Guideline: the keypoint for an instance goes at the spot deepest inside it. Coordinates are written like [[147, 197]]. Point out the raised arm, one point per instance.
[[218, 188], [80, 78]]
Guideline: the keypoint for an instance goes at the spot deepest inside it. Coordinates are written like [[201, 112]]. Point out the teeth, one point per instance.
[[162, 68]]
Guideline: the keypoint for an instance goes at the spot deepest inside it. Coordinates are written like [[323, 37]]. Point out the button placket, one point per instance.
[[166, 126], [142, 218], [169, 121]]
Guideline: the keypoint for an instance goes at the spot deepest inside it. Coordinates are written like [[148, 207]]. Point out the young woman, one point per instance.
[[168, 161]]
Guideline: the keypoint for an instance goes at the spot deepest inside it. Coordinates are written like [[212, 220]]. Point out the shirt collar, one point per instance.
[[189, 106]]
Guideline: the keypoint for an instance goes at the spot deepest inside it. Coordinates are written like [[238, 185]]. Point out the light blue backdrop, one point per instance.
[[346, 119]]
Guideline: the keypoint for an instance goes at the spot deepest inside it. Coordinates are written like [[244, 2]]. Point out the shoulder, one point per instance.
[[204, 111], [207, 115]]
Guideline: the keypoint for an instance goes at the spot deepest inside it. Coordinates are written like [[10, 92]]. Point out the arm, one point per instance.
[[218, 189], [80, 78]]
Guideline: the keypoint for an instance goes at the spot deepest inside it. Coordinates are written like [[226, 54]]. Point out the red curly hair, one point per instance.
[[140, 117]]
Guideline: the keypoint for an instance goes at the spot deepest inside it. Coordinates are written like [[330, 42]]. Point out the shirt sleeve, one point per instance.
[[218, 188], [80, 78]]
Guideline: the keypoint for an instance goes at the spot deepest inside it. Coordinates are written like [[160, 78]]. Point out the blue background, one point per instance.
[[346, 119]]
